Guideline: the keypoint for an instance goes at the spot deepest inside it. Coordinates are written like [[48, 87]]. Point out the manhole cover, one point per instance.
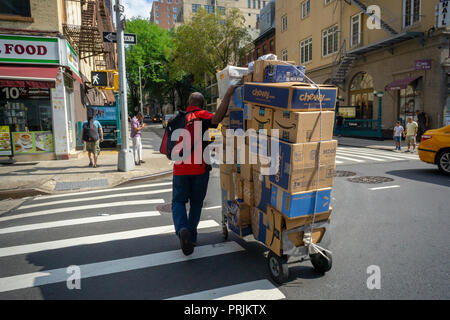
[[344, 174], [167, 207], [370, 180]]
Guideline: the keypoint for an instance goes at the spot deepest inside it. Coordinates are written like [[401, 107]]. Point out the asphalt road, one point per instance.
[[122, 241]]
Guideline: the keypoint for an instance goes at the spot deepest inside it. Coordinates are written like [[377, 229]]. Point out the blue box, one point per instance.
[[238, 97], [248, 112], [262, 190], [284, 73], [300, 204], [293, 96], [237, 119]]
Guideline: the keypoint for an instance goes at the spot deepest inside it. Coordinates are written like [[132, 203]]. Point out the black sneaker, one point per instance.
[[185, 242], [91, 164]]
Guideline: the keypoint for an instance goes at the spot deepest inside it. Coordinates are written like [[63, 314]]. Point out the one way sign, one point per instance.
[[111, 37]]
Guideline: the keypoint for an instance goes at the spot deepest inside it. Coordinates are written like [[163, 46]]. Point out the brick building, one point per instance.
[[165, 13]]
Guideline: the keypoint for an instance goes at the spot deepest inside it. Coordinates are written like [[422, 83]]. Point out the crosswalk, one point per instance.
[[119, 236], [352, 155]]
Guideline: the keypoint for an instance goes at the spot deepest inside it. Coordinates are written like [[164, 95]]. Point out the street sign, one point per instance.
[[99, 78], [111, 37]]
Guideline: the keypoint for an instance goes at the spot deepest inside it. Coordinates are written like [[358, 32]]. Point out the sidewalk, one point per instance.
[[365, 143], [60, 176]]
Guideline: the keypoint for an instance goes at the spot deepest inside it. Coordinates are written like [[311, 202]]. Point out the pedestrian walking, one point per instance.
[[190, 180], [136, 132], [423, 122], [340, 121], [398, 132], [411, 133], [92, 135]]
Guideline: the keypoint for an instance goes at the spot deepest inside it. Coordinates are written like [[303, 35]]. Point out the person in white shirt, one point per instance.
[[411, 134], [398, 132]]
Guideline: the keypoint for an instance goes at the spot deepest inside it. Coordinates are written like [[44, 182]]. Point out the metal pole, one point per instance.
[[126, 158], [140, 91], [380, 135]]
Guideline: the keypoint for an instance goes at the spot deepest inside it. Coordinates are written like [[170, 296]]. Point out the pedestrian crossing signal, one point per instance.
[[99, 78]]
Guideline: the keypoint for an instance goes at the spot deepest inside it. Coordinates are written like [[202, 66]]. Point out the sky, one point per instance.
[[135, 8]]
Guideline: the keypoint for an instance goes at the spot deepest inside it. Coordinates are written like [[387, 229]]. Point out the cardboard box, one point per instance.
[[241, 231], [292, 96], [301, 221], [248, 112], [249, 193], [246, 172], [294, 205], [297, 237], [262, 190], [238, 97], [229, 76], [298, 127], [262, 119], [284, 73], [248, 77], [226, 183], [238, 213], [237, 119], [238, 185], [274, 228], [259, 69], [259, 221], [298, 166]]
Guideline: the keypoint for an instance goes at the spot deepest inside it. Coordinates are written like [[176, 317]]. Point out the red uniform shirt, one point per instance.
[[182, 169]]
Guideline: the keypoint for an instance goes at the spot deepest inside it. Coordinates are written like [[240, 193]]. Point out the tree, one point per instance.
[[151, 53], [207, 43]]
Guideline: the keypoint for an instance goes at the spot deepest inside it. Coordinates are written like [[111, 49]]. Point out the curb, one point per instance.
[[21, 193]]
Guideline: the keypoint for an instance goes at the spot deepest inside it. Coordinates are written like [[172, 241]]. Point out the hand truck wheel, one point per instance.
[[320, 263], [278, 267]]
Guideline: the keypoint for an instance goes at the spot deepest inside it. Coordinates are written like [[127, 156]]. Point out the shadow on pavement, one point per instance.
[[431, 175]]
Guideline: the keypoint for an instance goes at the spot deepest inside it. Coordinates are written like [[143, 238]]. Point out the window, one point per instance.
[[174, 9], [330, 41], [209, 8], [283, 23], [249, 4], [259, 4], [195, 7], [306, 8], [16, 8], [264, 4], [174, 15], [221, 10], [169, 1], [257, 53], [361, 95], [355, 30], [254, 4], [168, 15], [264, 48], [157, 21], [271, 46], [411, 12], [306, 51], [157, 15], [284, 55], [156, 7], [327, 1]]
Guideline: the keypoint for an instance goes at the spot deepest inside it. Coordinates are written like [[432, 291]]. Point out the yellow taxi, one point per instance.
[[434, 148]]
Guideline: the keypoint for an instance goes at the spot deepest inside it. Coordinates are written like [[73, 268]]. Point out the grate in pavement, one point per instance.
[[75, 185], [370, 180], [340, 173]]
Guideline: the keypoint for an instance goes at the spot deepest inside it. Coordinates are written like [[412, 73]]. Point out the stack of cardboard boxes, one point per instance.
[[289, 113]]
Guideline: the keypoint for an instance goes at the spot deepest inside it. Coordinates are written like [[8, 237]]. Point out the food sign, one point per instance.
[[5, 141]]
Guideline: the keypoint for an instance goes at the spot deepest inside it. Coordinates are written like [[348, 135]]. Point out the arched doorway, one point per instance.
[[361, 95]]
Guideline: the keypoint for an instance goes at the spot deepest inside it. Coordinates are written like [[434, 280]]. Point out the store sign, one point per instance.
[[5, 141], [423, 64], [20, 93], [69, 57], [23, 49], [104, 113], [443, 13]]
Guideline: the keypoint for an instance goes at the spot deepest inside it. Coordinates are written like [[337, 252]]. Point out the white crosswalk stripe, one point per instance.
[[47, 235], [350, 155]]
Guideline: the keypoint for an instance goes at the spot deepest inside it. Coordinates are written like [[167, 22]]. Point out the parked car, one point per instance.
[[157, 118], [147, 118], [434, 148], [166, 119]]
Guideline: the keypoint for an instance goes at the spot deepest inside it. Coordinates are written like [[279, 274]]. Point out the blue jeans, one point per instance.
[[190, 188]]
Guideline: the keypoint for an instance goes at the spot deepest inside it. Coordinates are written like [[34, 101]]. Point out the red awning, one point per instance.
[[76, 77], [400, 84], [31, 77]]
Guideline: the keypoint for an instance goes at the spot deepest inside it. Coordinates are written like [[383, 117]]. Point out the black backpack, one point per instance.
[[90, 132], [174, 123]]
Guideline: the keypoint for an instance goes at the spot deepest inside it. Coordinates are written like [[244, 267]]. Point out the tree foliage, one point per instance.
[[207, 43]]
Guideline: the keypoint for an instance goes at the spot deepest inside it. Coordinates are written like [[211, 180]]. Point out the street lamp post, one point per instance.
[[140, 84], [380, 95]]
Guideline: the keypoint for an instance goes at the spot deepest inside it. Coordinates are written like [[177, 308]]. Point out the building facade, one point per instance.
[[386, 68], [45, 72], [165, 13]]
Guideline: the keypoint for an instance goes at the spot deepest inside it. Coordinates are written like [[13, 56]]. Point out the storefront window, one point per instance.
[[28, 113], [410, 101], [361, 95]]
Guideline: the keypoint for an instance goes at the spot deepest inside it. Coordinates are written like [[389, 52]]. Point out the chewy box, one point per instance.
[[284, 73], [300, 204], [294, 96]]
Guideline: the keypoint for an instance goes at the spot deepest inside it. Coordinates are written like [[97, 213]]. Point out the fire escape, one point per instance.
[[87, 37], [345, 59]]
